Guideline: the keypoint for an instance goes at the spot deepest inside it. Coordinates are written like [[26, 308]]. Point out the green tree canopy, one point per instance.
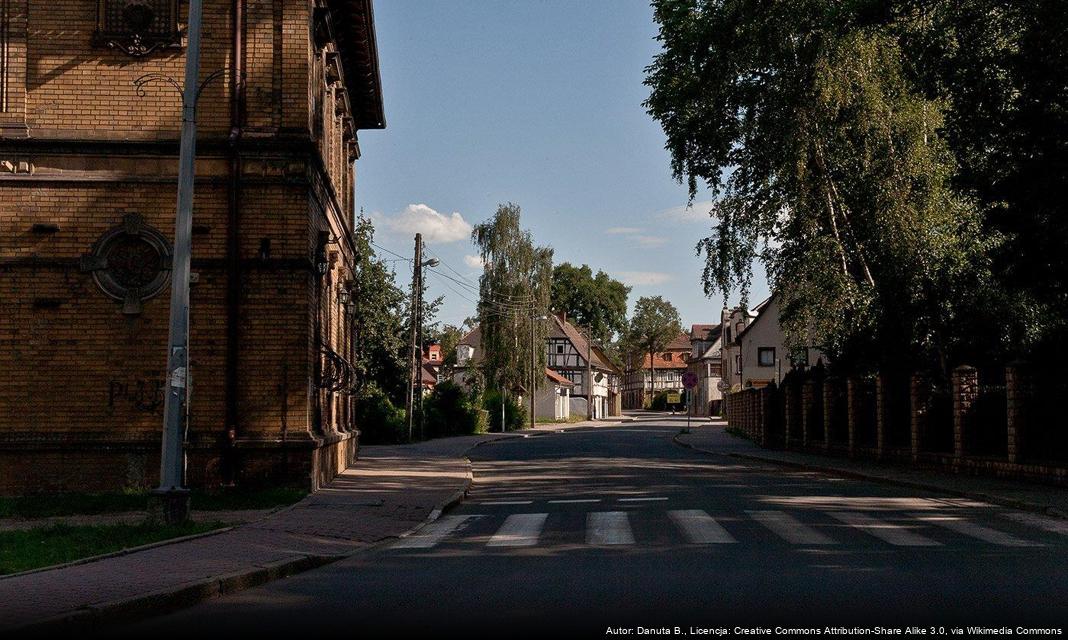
[[594, 301], [827, 161], [653, 326], [514, 288], [378, 321]]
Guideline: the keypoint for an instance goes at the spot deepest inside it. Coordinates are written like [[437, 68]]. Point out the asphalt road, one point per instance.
[[584, 531]]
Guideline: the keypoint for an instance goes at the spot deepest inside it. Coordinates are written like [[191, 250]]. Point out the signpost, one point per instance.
[[689, 380]]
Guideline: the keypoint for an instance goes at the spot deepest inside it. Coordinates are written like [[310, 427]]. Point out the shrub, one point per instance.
[[378, 420], [449, 412], [515, 417]]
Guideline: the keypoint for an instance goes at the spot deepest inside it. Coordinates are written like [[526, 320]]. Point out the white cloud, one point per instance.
[[697, 212], [650, 241], [475, 262], [635, 234], [435, 227], [643, 278]]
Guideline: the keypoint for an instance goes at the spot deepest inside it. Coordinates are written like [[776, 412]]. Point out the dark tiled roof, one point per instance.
[[561, 328], [357, 43], [705, 331]]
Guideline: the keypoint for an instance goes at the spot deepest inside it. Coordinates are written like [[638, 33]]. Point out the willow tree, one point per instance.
[[514, 291], [827, 163]]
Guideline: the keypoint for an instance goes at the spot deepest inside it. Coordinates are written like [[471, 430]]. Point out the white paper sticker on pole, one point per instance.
[[178, 378]]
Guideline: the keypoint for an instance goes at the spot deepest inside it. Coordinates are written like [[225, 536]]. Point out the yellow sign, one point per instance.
[[674, 398]]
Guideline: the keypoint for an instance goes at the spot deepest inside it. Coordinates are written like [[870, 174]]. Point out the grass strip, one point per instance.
[[58, 544]]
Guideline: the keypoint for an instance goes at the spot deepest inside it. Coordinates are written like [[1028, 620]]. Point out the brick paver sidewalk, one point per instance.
[[387, 493], [1052, 500]]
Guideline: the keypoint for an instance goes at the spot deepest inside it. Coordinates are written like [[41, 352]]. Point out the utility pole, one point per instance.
[[171, 499], [533, 368], [419, 344], [416, 357], [589, 375]]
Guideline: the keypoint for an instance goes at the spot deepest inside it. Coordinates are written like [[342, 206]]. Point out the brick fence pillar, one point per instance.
[[807, 398], [965, 390], [1017, 397], [828, 410], [881, 381], [789, 416], [919, 394], [852, 412]]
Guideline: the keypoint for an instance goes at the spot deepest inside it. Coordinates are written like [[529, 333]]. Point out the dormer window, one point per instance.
[[137, 27]]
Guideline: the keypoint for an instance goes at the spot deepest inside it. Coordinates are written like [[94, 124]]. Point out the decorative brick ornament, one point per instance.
[[131, 263]]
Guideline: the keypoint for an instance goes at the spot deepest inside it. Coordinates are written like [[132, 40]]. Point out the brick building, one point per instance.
[[88, 179]]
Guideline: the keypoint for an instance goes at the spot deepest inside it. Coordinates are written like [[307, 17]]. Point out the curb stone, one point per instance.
[[1012, 503], [123, 552], [141, 606]]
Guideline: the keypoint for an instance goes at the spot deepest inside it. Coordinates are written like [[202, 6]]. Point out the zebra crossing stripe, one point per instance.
[[895, 534], [432, 534], [1053, 525], [789, 528], [977, 531], [700, 528], [608, 527], [519, 530]]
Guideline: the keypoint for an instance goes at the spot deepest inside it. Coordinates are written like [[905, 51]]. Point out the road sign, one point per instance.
[[689, 379], [674, 398]]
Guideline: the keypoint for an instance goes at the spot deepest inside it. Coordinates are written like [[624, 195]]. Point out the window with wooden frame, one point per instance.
[[766, 356], [137, 27]]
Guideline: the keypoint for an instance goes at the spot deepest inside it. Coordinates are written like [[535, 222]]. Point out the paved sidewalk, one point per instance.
[[389, 492], [713, 438]]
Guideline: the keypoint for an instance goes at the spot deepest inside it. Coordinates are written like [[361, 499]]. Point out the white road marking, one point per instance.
[[608, 527], [501, 503], [700, 528], [978, 531], [519, 530], [1053, 525], [641, 499], [895, 534], [789, 528], [575, 501], [432, 534]]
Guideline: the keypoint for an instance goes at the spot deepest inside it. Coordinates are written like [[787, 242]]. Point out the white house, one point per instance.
[[705, 362], [641, 385], [553, 397], [567, 352], [754, 351]]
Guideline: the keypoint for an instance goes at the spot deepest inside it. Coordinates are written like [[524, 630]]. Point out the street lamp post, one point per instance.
[[171, 498]]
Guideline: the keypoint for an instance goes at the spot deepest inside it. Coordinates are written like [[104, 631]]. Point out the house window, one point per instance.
[[738, 364], [559, 348], [137, 27], [766, 356]]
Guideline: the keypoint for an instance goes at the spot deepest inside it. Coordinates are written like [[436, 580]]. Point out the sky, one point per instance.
[[538, 103]]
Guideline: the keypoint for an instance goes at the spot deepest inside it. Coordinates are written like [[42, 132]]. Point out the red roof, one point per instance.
[[557, 378], [678, 350]]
